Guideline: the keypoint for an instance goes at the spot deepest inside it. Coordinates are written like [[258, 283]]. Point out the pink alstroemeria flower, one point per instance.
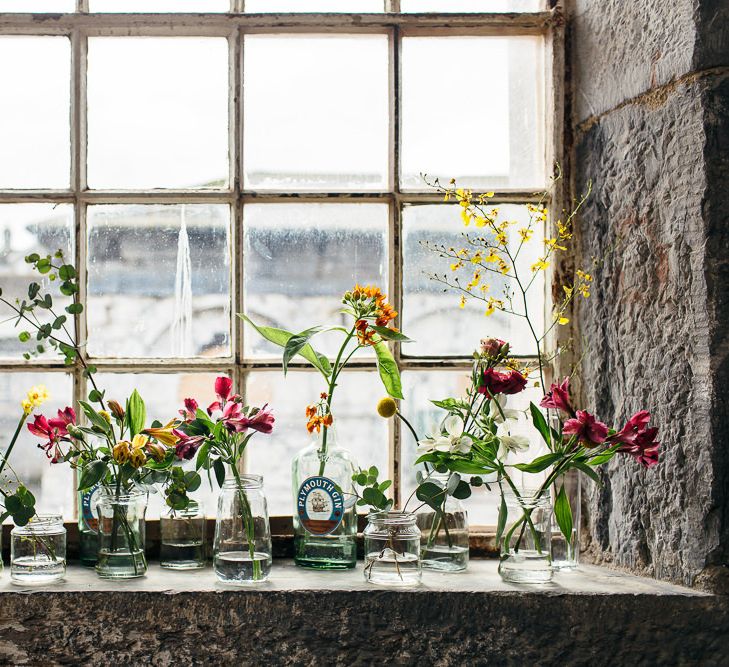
[[53, 431], [187, 445], [190, 409], [638, 440], [223, 389], [586, 428], [558, 397], [261, 421]]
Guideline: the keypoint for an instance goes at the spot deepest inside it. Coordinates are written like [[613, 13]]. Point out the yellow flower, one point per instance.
[[122, 451], [503, 267], [563, 320], [465, 216], [36, 396], [463, 301], [164, 434], [540, 265], [552, 243], [488, 194], [456, 265], [105, 415], [492, 305], [27, 406], [567, 290], [501, 239], [137, 458], [493, 256], [386, 407]]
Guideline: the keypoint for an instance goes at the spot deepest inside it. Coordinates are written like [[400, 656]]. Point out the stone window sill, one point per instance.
[[306, 617]]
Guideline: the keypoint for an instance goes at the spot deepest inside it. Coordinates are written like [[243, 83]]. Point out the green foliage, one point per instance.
[[540, 423], [92, 474], [179, 486], [389, 334], [389, 372], [563, 514], [539, 464], [296, 343], [20, 506], [136, 414], [373, 492]]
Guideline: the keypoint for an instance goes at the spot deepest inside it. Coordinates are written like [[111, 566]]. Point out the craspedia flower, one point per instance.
[[386, 407]]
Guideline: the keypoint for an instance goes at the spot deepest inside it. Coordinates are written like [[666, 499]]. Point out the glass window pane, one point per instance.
[[315, 112], [158, 112], [159, 280], [263, 6], [301, 258], [159, 6], [419, 388], [490, 138], [38, 6], [432, 317], [27, 228], [51, 484], [163, 397], [471, 5], [34, 115], [358, 427]]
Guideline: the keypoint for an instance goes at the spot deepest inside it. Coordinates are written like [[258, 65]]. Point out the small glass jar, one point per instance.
[[242, 544], [525, 542], [392, 549], [566, 549], [38, 551], [121, 529], [444, 539], [182, 538]]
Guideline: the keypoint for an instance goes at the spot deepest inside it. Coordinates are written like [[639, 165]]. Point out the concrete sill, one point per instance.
[[300, 617]]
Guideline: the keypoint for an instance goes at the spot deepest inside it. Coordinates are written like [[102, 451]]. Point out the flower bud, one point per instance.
[[105, 415], [116, 409], [494, 348], [156, 451], [386, 407]]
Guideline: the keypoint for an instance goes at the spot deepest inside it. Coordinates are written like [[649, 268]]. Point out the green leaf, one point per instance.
[[33, 290], [136, 415], [68, 288], [450, 404], [462, 491], [43, 265], [563, 514], [360, 478], [590, 472], [95, 418], [93, 473], [96, 396], [202, 456], [59, 321], [389, 373], [192, 481], [374, 497], [468, 468], [24, 336], [74, 309], [67, 272], [599, 459], [13, 504], [280, 337], [373, 472], [540, 424], [389, 334], [219, 468], [32, 258], [385, 485], [540, 463], [431, 494], [296, 343], [501, 524], [453, 482]]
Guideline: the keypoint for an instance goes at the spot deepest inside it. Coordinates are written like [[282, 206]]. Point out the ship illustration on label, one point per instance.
[[320, 505]]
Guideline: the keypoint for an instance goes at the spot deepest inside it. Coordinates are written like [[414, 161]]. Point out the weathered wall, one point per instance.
[[651, 105]]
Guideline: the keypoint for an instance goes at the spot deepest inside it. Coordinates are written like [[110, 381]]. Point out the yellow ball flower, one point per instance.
[[386, 407]]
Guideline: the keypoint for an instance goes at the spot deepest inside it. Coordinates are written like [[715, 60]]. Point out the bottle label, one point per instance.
[[320, 505], [88, 509]]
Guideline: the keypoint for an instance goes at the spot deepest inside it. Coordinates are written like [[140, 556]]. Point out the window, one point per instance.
[[199, 166]]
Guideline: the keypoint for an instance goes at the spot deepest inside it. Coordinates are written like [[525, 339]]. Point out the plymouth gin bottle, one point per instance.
[[88, 537], [325, 517]]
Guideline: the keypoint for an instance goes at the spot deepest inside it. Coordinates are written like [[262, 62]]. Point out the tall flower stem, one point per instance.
[[248, 525]]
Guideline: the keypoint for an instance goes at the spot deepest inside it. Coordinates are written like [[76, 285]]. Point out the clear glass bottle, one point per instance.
[[325, 517], [444, 541], [525, 543], [566, 552], [121, 527], [38, 551], [182, 538], [88, 536], [392, 549], [242, 551]]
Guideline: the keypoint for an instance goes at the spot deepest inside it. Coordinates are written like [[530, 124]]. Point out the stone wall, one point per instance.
[[651, 111]]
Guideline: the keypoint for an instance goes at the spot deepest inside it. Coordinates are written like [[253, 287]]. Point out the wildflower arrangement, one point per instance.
[[217, 438], [370, 326]]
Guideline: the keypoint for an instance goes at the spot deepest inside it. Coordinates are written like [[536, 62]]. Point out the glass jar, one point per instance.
[[38, 551], [121, 533], [182, 538], [325, 517], [566, 549], [444, 540], [525, 542], [392, 549], [242, 545]]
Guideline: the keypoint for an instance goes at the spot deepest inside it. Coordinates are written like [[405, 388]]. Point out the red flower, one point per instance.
[[494, 348], [54, 431], [586, 428], [558, 397], [188, 412], [223, 389], [496, 382], [637, 440], [187, 445], [261, 421]]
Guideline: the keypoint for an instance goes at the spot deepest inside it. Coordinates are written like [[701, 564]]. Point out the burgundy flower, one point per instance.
[[494, 348], [496, 382], [558, 397], [187, 445], [634, 426], [188, 412], [638, 440], [261, 421], [586, 428], [53, 431], [223, 389]]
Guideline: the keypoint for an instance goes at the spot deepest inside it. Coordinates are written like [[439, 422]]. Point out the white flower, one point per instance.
[[496, 414], [452, 440], [511, 443]]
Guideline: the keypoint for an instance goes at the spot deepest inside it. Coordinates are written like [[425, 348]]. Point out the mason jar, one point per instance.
[[392, 549], [182, 538], [444, 534], [38, 550], [242, 546], [121, 526], [525, 543]]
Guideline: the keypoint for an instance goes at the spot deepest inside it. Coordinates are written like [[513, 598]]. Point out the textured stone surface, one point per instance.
[[307, 618], [655, 329]]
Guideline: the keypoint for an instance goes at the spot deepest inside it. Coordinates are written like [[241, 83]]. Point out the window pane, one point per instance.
[[38, 6], [358, 427], [159, 6], [471, 5], [315, 112], [34, 115], [263, 6], [159, 280], [433, 318], [419, 388], [491, 136], [52, 485], [158, 112], [163, 396], [27, 228], [301, 258]]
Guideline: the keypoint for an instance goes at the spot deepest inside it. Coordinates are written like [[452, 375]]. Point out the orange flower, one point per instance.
[[310, 410], [323, 396]]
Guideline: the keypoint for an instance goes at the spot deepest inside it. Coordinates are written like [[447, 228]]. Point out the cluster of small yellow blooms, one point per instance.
[[35, 397]]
